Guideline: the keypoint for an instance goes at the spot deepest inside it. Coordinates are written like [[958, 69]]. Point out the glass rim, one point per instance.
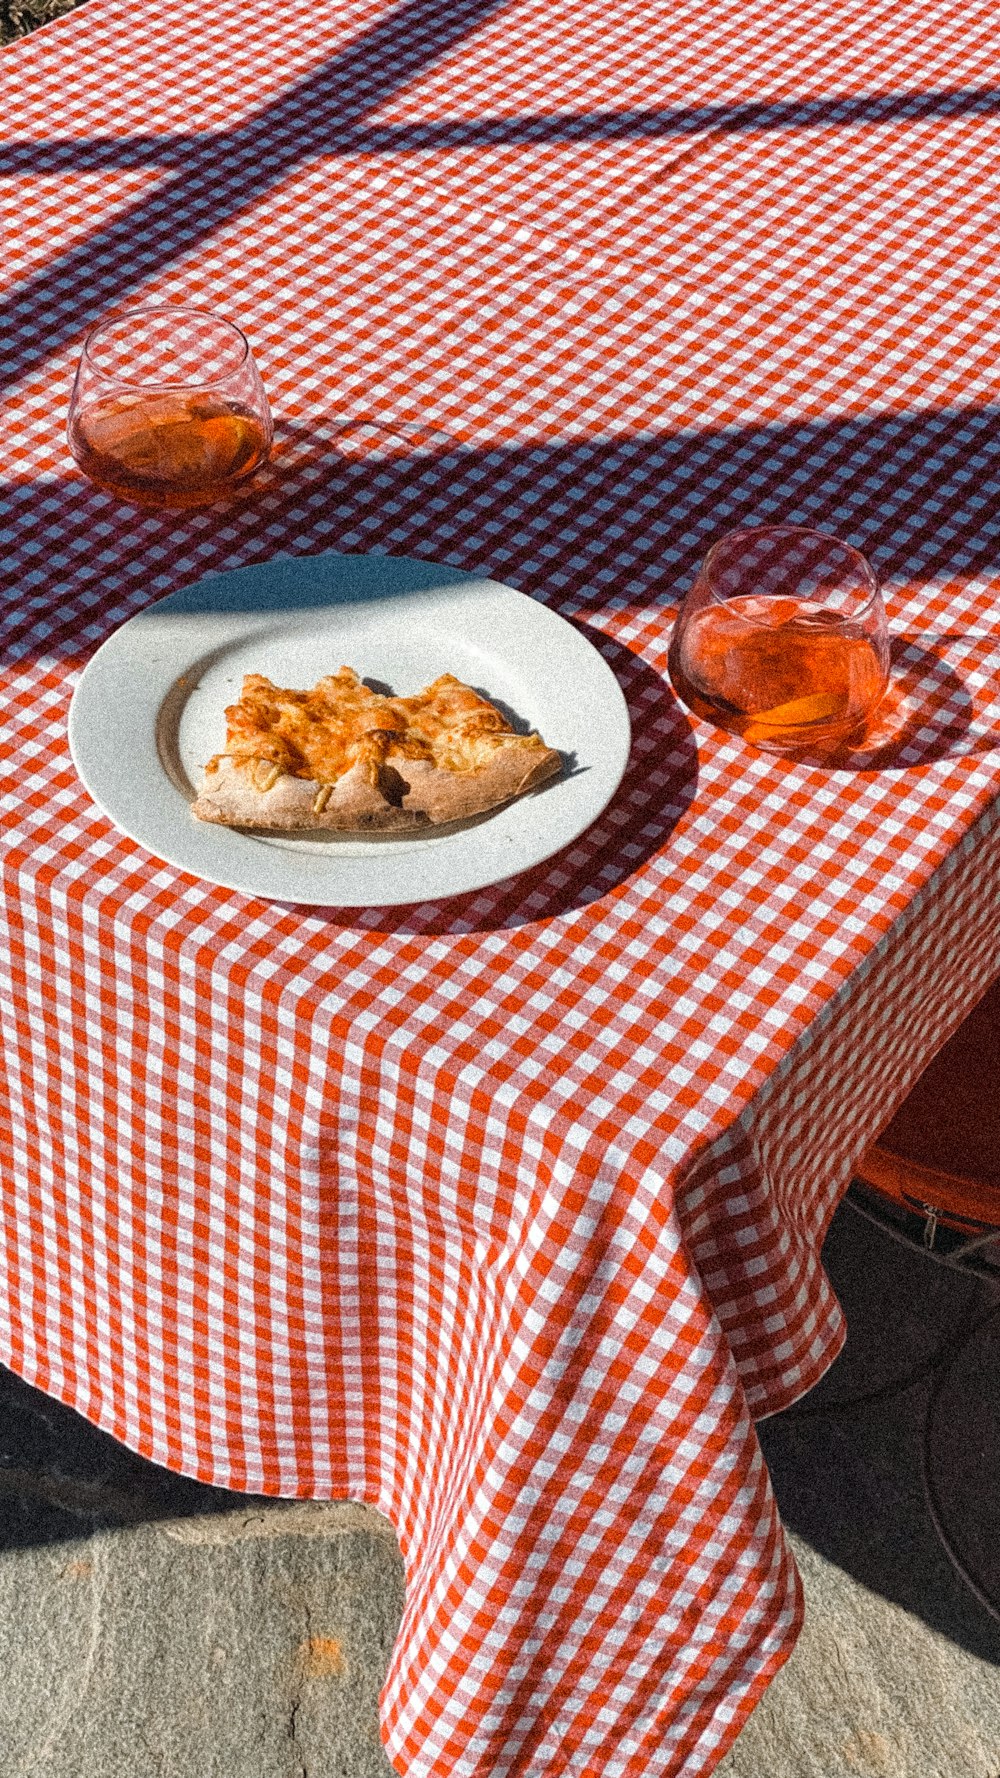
[[871, 581], [179, 310]]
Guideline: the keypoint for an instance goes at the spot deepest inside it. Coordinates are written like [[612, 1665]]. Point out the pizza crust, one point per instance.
[[409, 793]]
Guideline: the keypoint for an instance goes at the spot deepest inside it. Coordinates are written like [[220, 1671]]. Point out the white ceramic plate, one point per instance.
[[148, 713]]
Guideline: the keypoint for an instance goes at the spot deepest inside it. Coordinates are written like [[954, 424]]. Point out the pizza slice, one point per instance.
[[344, 758]]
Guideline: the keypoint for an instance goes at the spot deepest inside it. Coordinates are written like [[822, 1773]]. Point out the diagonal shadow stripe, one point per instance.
[[918, 492], [216, 177], [615, 126], [92, 154], [600, 527], [216, 182]]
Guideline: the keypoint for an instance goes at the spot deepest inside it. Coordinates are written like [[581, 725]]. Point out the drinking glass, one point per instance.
[[782, 640], [168, 408]]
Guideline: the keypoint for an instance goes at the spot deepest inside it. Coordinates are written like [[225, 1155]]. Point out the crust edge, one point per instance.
[[429, 796]]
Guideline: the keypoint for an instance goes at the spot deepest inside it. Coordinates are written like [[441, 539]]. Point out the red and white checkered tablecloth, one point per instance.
[[504, 1214]]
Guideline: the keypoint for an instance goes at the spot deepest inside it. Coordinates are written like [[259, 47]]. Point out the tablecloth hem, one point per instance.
[[799, 1390]]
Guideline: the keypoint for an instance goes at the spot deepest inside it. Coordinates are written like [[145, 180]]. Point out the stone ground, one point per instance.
[[154, 1628]]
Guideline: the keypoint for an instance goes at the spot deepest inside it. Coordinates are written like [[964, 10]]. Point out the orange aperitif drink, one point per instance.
[[782, 640], [168, 408], [176, 449]]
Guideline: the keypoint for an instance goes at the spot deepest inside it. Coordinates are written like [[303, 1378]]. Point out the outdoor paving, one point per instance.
[[154, 1628]]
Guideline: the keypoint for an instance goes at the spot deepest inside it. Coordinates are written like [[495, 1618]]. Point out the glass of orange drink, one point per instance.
[[168, 408], [782, 640]]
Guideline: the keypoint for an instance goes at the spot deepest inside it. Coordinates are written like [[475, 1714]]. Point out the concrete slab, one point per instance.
[[870, 1692], [154, 1628], [244, 1645]]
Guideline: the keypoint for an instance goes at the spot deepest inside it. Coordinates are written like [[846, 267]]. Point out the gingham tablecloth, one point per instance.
[[504, 1214]]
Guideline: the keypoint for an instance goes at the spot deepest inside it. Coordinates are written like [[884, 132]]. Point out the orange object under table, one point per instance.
[[940, 1155]]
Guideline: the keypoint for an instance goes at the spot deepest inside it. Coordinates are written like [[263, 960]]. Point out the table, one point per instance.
[[504, 1214]]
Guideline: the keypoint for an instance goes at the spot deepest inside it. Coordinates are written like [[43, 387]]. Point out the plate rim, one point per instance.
[[279, 580]]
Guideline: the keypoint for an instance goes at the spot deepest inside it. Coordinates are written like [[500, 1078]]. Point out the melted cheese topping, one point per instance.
[[321, 734]]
